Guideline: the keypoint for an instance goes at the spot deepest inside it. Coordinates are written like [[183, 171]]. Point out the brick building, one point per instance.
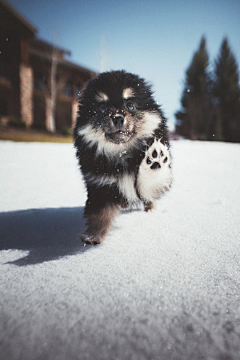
[[37, 83]]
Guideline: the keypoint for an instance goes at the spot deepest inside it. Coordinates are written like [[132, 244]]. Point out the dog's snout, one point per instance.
[[118, 121]]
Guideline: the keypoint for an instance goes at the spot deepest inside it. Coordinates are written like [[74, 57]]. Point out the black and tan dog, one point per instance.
[[122, 147]]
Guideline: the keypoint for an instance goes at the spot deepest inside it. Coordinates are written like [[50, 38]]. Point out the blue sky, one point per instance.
[[155, 39]]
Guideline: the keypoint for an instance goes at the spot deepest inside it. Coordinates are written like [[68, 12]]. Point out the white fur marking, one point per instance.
[[150, 122], [126, 186], [104, 146]]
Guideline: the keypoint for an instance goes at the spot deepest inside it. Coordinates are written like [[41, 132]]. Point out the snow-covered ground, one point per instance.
[[164, 285]]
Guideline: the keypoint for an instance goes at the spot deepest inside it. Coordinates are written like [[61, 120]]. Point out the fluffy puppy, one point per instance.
[[122, 146]]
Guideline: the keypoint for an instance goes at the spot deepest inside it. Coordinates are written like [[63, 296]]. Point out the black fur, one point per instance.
[[105, 198]]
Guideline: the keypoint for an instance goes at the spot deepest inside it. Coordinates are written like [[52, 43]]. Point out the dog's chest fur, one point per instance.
[[124, 176], [126, 185], [118, 171]]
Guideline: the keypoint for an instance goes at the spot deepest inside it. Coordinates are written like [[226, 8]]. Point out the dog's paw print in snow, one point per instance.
[[157, 156]]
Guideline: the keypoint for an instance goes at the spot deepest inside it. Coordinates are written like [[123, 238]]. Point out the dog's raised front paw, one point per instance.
[[155, 174], [157, 156]]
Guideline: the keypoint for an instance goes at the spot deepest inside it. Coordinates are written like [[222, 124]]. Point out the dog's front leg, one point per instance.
[[154, 176], [99, 214]]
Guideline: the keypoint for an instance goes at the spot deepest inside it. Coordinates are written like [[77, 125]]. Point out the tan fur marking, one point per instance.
[[101, 97], [128, 93]]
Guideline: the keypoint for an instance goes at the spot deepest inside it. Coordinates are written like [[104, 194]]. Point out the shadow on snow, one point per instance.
[[47, 234]]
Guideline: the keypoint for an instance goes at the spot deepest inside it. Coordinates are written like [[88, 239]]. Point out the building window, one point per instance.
[[68, 90], [40, 81]]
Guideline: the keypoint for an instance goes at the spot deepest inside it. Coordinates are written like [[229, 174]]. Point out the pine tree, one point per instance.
[[194, 119], [227, 94]]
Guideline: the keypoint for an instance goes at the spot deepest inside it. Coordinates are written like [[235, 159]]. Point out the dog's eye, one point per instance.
[[130, 105], [103, 109]]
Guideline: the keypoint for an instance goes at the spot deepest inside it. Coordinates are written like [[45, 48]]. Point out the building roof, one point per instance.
[[42, 45], [18, 16], [38, 47], [47, 56]]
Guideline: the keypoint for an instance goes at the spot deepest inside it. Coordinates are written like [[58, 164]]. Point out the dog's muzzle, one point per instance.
[[118, 122]]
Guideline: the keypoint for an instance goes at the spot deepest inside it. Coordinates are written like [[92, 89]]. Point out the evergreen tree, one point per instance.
[[194, 119], [226, 95]]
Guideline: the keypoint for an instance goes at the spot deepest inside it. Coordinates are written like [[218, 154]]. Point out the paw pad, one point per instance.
[[155, 166], [148, 161], [156, 155]]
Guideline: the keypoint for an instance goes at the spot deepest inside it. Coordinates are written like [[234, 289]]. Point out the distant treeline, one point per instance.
[[211, 99]]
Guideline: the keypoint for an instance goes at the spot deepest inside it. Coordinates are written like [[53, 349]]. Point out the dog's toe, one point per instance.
[[89, 239]]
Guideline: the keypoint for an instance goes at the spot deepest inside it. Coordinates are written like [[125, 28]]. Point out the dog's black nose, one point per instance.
[[118, 121]]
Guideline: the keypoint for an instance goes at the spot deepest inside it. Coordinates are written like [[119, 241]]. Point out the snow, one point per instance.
[[161, 286]]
